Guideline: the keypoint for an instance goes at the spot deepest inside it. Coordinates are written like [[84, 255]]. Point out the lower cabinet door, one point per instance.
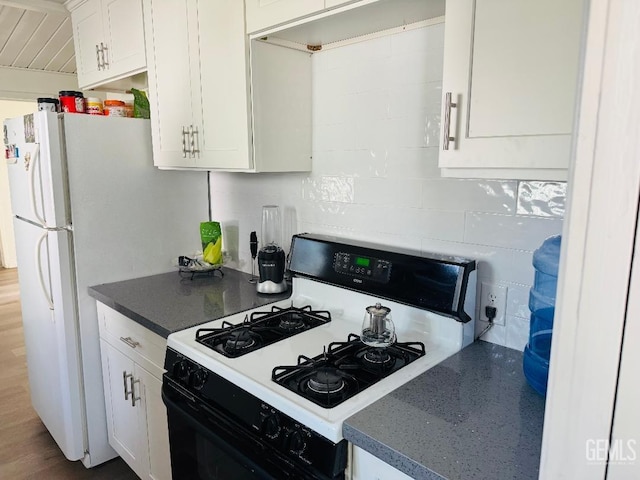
[[120, 387], [367, 467], [155, 425]]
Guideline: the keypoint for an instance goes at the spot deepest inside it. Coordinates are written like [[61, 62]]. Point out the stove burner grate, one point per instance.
[[240, 339], [377, 356], [351, 364], [261, 329], [291, 321], [326, 380]]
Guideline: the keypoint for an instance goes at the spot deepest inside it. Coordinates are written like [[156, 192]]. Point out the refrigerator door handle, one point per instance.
[[32, 186], [47, 295]]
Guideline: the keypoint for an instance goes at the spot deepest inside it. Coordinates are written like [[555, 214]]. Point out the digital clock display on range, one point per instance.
[[369, 268], [362, 261]]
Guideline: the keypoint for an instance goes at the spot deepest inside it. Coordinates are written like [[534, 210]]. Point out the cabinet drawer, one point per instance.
[[137, 342]]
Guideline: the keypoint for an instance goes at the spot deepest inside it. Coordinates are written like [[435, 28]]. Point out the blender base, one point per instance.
[[271, 287]]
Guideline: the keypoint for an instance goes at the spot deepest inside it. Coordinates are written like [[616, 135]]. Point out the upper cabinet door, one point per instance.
[[511, 67], [87, 35], [169, 75], [262, 14], [108, 37], [221, 104], [124, 36]]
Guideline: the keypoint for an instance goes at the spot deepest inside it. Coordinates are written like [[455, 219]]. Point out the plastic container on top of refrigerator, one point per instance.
[[542, 300]]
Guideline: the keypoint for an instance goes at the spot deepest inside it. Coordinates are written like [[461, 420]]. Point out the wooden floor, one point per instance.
[[27, 451]]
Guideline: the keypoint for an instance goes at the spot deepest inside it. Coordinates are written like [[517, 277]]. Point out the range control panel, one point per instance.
[[362, 267]]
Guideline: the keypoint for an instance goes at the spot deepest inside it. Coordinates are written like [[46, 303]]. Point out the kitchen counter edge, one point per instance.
[[166, 303], [471, 416]]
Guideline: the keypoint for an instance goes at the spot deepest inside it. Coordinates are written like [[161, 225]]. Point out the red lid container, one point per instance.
[[71, 101]]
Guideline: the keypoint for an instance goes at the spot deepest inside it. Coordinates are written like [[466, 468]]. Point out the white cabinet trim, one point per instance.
[[597, 246]]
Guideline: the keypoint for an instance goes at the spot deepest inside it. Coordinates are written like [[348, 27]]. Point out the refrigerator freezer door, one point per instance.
[[25, 173], [36, 174], [51, 334]]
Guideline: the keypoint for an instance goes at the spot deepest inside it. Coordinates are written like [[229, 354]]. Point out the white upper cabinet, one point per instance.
[[198, 84], [108, 37], [87, 35], [511, 69], [200, 91], [262, 14], [221, 106], [169, 76]]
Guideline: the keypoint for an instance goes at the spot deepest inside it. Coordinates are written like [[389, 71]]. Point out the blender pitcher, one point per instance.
[[271, 257]]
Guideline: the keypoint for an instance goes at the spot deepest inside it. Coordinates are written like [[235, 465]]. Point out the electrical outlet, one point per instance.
[[492, 295]]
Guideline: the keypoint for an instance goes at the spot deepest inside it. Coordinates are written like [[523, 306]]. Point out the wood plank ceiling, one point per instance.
[[36, 34]]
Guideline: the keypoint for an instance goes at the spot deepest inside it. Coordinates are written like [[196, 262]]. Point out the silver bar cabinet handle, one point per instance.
[[192, 153], [105, 63], [448, 105], [130, 341], [98, 57], [194, 140], [126, 375], [185, 132], [133, 391]]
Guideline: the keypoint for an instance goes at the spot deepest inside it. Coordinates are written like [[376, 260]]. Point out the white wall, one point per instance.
[[376, 124], [9, 109]]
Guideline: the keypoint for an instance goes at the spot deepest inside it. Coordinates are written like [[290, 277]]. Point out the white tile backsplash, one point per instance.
[[545, 199], [390, 192], [375, 176], [517, 332], [520, 232], [497, 196]]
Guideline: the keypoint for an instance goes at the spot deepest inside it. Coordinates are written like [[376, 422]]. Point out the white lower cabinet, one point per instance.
[[136, 417], [365, 466]]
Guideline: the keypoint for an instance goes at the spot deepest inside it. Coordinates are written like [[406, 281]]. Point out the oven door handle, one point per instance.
[[199, 427]]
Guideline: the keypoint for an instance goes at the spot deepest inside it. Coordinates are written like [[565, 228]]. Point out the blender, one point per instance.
[[271, 256]]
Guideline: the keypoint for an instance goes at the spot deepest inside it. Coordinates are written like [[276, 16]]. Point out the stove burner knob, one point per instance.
[[182, 369], [296, 443], [198, 378], [271, 425]]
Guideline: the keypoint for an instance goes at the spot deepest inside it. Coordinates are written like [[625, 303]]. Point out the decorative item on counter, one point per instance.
[[114, 108], [194, 265], [542, 301], [94, 106], [71, 101], [48, 104], [211, 238], [141, 108]]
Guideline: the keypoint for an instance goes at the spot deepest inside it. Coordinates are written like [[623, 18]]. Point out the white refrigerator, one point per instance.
[[89, 208]]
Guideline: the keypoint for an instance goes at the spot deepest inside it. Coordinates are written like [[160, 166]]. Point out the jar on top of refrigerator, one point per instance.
[[114, 108], [71, 101]]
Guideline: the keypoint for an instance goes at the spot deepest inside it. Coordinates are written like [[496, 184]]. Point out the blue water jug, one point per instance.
[[542, 301]]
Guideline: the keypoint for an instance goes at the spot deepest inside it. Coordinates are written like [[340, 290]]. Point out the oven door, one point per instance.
[[206, 445]]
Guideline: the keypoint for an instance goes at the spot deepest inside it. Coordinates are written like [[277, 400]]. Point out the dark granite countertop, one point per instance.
[[471, 417], [167, 302]]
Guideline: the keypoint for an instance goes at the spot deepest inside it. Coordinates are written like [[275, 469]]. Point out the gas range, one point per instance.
[[293, 383]]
